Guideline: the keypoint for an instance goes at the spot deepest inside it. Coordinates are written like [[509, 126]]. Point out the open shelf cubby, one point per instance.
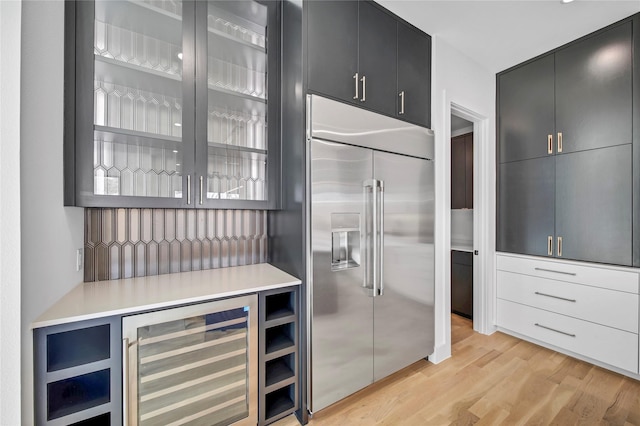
[[279, 351], [279, 371], [278, 306], [279, 338], [280, 402]]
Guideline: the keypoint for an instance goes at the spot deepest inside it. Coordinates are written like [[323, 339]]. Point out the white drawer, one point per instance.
[[588, 274], [609, 345], [608, 307]]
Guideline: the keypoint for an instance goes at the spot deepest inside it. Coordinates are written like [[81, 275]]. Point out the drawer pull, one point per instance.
[[553, 329], [555, 297], [556, 272]]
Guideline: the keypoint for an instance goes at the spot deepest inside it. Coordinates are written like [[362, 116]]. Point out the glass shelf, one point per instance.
[[133, 137], [116, 72], [226, 35], [143, 17], [237, 93], [237, 22]]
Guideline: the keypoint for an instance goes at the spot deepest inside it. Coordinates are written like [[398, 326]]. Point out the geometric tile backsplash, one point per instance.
[[125, 243]]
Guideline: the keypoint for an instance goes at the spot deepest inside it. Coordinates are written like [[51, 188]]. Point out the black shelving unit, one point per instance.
[[279, 354]]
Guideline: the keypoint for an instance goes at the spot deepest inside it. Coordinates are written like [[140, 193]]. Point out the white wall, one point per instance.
[[50, 232], [10, 212], [458, 79]]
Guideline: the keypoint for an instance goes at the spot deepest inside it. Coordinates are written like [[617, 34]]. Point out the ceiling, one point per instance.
[[458, 123], [500, 34]]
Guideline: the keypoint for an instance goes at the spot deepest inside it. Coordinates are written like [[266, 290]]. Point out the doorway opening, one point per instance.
[[462, 215], [468, 227]]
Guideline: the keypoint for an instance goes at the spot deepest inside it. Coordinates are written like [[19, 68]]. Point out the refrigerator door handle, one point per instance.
[[370, 236], [380, 237]]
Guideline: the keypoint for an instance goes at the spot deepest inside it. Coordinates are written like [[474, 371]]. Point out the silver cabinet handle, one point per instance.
[[381, 238], [559, 141], [201, 189], [553, 329], [188, 189], [364, 88], [550, 144], [559, 251], [555, 272], [550, 245], [125, 381], [357, 81], [401, 102], [555, 297]]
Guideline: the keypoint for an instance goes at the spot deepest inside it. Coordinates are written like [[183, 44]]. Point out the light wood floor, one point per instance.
[[491, 380]]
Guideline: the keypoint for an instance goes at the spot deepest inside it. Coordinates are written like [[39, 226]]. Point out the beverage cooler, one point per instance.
[[193, 365]]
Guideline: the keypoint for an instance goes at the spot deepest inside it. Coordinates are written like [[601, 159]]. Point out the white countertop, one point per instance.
[[126, 296]]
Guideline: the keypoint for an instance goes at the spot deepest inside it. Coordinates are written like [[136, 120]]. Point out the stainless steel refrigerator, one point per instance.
[[371, 252]]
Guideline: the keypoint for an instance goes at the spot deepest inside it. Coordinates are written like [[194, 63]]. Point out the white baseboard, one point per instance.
[[440, 353]]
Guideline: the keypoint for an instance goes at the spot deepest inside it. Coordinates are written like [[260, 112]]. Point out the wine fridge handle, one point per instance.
[[125, 381]]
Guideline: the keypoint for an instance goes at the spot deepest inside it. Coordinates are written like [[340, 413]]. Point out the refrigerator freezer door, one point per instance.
[[342, 313], [404, 314]]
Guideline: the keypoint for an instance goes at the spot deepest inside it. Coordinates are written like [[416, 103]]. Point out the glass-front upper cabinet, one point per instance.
[[172, 103], [240, 52]]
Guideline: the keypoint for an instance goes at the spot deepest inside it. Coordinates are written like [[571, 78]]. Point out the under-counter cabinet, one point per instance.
[[185, 345], [279, 328], [77, 373], [565, 171], [360, 53], [585, 310], [172, 104], [462, 283]]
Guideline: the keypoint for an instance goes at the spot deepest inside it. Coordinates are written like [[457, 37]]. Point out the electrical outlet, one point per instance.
[[79, 259]]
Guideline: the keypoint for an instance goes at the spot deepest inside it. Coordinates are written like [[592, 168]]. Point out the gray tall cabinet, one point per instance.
[[566, 150]]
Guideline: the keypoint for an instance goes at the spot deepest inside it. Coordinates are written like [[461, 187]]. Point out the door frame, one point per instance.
[[483, 184], [480, 141]]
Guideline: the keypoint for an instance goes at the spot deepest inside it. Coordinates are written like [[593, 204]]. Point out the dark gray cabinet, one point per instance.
[[565, 155], [526, 116], [377, 61], [462, 283], [526, 207], [360, 53], [593, 205], [462, 172], [594, 91], [167, 104], [332, 28], [414, 75]]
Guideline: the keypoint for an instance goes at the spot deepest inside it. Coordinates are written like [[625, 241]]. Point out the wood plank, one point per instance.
[[490, 380]]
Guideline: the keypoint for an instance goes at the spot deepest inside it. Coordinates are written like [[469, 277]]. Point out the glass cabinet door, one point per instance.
[[232, 157], [141, 67]]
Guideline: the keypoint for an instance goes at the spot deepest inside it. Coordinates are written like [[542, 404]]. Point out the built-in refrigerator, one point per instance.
[[371, 247]]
